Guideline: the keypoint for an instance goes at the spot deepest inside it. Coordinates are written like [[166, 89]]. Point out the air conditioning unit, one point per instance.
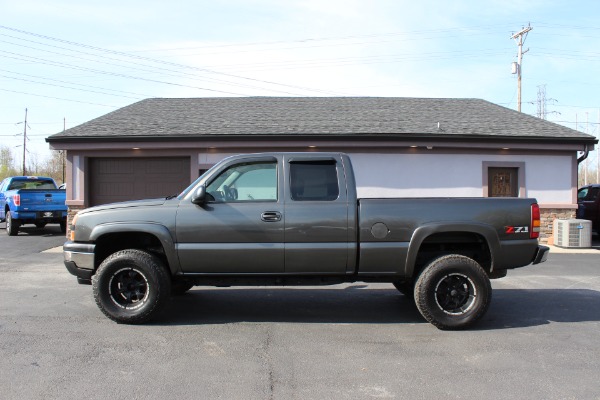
[[572, 233]]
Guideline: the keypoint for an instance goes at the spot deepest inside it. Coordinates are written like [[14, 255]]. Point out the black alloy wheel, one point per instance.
[[455, 294], [128, 288]]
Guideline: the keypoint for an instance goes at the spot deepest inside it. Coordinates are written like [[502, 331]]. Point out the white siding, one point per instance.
[[547, 178]]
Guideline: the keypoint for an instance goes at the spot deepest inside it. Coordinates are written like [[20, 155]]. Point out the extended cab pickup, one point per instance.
[[31, 200], [295, 219]]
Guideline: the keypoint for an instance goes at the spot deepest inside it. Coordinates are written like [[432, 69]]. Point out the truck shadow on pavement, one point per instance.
[[517, 308], [510, 308], [350, 305]]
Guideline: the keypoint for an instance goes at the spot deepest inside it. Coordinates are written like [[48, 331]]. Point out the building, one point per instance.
[[404, 147]]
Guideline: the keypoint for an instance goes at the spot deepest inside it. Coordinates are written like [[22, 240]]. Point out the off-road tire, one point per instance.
[[63, 226], [453, 292], [131, 286], [12, 226]]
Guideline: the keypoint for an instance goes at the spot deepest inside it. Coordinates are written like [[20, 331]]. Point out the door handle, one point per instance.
[[271, 216]]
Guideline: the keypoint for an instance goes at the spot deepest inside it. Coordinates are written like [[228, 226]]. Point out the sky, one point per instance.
[[68, 62]]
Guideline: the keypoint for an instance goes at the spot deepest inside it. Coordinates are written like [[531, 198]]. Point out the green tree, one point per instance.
[[7, 162], [51, 166]]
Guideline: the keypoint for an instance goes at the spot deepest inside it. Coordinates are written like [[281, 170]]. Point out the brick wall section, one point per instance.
[[548, 215], [72, 210]]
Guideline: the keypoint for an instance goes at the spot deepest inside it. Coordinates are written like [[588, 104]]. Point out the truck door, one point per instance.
[[239, 229], [316, 216]]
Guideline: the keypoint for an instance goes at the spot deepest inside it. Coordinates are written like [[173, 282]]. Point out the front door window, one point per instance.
[[245, 182]]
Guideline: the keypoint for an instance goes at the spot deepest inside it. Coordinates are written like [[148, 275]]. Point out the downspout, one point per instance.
[[586, 153]]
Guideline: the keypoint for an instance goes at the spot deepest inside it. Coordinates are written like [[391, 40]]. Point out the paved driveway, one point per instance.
[[539, 339]]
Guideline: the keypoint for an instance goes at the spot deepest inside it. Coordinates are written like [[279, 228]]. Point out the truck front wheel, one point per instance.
[[12, 226], [131, 286], [452, 292]]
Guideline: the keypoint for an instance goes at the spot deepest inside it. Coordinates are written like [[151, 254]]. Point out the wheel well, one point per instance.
[[113, 242], [468, 244]]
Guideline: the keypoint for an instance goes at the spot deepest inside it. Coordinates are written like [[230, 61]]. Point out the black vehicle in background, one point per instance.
[[588, 199]]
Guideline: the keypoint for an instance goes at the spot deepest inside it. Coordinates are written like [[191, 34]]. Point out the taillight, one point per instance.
[[535, 221], [17, 199]]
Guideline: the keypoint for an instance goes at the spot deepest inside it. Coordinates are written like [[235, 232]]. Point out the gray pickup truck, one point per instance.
[[295, 219]]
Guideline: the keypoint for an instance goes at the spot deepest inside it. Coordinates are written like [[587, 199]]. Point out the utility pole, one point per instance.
[[520, 37], [25, 143], [62, 152], [587, 129]]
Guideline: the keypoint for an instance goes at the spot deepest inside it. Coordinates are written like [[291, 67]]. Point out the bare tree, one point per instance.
[[7, 162]]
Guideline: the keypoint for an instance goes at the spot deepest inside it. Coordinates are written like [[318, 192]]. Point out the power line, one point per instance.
[[66, 87], [178, 74], [76, 84], [55, 63], [114, 52], [57, 98]]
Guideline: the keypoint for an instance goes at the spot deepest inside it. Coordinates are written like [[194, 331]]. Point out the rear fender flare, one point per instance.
[[423, 232]]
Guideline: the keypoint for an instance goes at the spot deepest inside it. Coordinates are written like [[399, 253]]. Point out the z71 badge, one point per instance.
[[516, 229]]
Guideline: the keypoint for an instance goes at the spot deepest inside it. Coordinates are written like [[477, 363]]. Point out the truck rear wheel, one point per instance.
[[131, 286], [453, 292], [12, 226]]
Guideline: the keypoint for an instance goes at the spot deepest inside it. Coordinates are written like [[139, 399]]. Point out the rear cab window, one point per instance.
[[314, 180]]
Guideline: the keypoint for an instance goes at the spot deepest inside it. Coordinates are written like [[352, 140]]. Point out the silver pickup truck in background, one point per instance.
[[295, 219]]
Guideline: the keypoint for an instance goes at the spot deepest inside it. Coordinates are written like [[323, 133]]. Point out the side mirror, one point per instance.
[[199, 196]]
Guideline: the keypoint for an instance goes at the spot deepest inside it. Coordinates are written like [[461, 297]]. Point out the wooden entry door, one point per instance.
[[503, 182]]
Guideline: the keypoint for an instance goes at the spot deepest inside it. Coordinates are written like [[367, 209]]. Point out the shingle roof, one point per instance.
[[196, 118]]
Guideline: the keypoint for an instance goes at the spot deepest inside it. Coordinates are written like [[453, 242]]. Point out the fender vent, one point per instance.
[[570, 233]]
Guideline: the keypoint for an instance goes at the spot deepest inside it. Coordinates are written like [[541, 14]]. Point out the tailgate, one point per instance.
[[42, 198]]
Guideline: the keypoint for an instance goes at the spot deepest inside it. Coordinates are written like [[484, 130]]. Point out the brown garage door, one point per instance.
[[121, 179]]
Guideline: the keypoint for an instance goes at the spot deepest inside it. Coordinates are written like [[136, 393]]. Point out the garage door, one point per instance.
[[121, 179]]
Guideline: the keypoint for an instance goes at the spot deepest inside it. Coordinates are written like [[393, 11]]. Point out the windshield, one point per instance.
[[582, 193], [195, 183]]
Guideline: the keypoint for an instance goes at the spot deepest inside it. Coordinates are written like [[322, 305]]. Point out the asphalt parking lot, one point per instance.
[[539, 340]]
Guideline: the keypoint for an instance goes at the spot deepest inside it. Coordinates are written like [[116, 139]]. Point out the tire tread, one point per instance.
[[158, 273], [422, 286]]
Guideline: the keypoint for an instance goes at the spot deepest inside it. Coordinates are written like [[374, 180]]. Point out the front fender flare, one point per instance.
[[159, 231]]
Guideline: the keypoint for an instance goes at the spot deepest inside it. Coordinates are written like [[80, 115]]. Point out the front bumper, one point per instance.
[[541, 254], [79, 259]]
